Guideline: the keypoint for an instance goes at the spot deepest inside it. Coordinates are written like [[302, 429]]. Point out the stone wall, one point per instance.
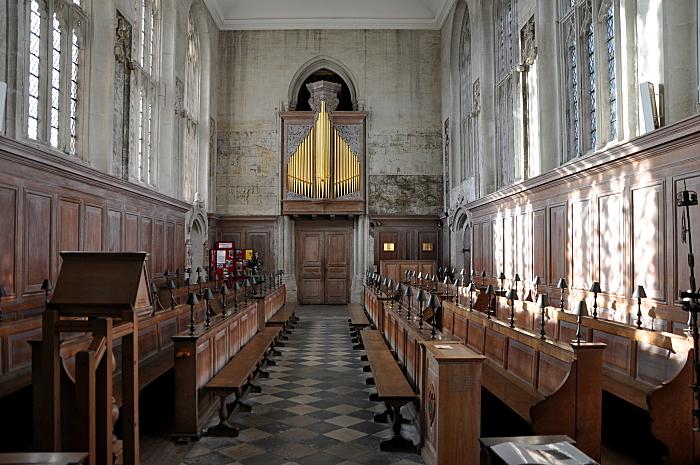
[[396, 77]]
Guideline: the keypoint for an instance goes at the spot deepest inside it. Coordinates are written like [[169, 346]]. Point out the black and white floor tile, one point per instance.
[[313, 409]]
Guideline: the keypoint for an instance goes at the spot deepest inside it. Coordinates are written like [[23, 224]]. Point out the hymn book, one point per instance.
[[558, 453]]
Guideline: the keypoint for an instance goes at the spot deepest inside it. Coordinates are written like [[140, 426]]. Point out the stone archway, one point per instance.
[[315, 64]]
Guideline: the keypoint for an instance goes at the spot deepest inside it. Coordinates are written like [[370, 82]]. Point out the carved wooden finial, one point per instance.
[[323, 91]]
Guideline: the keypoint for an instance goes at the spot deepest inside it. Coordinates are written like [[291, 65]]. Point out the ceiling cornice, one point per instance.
[[251, 24]]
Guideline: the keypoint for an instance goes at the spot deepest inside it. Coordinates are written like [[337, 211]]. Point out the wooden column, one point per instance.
[[451, 403], [589, 396]]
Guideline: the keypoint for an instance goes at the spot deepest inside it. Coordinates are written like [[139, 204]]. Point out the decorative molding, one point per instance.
[[252, 24]]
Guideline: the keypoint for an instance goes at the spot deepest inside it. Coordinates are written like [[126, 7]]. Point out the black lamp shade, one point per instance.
[[543, 300], [581, 309], [208, 295], [595, 287], [536, 281], [399, 287], [199, 280], [512, 295], [407, 291], [501, 275], [433, 302], [483, 274], [471, 287], [516, 278], [187, 281], [224, 289], [236, 286], [171, 284], [639, 293], [192, 299], [45, 286], [562, 284], [421, 296], [489, 290], [199, 269]]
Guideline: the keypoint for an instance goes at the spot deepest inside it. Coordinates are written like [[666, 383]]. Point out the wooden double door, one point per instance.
[[324, 262]]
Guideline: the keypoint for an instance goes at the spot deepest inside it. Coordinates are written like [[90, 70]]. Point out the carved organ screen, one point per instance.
[[323, 156]]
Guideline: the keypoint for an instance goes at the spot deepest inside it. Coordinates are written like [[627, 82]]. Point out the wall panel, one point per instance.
[[610, 241], [37, 240], [649, 239], [8, 241], [539, 247], [581, 244], [93, 228]]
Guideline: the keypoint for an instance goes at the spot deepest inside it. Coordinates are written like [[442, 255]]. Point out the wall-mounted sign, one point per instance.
[[388, 247], [427, 246]]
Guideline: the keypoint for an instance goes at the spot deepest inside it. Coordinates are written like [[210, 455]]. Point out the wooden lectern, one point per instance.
[[99, 294], [451, 403]]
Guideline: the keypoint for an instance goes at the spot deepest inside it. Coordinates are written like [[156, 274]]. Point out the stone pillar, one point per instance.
[[548, 116], [361, 255], [680, 60], [487, 125], [286, 256]]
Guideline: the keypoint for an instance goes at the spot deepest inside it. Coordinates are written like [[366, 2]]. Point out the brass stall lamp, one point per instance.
[[580, 310], [434, 304], [398, 291], [223, 290], [483, 278], [652, 315], [408, 293], [470, 289], [200, 281], [187, 283], [47, 287], [595, 289], [456, 296], [421, 300], [236, 289], [408, 276], [536, 282], [512, 296], [639, 294], [208, 295], [192, 301], [156, 299], [489, 292], [420, 279], [246, 285], [502, 278], [171, 286], [516, 280], [542, 302], [177, 276], [562, 285]]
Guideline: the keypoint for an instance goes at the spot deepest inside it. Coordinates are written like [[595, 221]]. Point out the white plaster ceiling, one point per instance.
[[329, 14]]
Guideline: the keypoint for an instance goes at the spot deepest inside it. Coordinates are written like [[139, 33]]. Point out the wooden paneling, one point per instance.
[[310, 247], [159, 247], [557, 241], [114, 230], [610, 240], [8, 243], [408, 236], [552, 374], [522, 362], [132, 233], [337, 267], [539, 248], [93, 229], [256, 233], [478, 250], [68, 225], [649, 239], [618, 354], [37, 240], [170, 246], [146, 241], [581, 244]]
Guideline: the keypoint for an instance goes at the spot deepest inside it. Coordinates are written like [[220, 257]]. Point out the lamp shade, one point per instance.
[[171, 284], [595, 287], [420, 275], [390, 284], [192, 299], [471, 287], [536, 281], [3, 292], [456, 283], [407, 291], [208, 295], [421, 296], [200, 280], [433, 302], [639, 292], [199, 269], [224, 289], [562, 284], [167, 273], [399, 287], [512, 295], [246, 283], [483, 274], [177, 272], [446, 280], [516, 278], [236, 286], [543, 300], [46, 285], [489, 290], [501, 275], [581, 309]]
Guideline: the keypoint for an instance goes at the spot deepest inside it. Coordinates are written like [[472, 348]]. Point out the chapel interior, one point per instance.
[[388, 232]]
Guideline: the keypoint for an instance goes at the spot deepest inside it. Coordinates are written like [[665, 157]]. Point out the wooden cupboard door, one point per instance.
[[337, 261], [311, 245]]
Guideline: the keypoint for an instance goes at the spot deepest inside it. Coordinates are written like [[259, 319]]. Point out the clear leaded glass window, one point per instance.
[[145, 91], [53, 73], [505, 91], [612, 72]]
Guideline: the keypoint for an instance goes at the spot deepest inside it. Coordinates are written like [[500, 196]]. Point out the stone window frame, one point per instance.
[[73, 24], [466, 99], [191, 107], [145, 85], [575, 17], [506, 50]]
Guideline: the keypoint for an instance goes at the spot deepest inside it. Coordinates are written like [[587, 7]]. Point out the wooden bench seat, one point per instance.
[[237, 375], [285, 317], [392, 387], [358, 321]]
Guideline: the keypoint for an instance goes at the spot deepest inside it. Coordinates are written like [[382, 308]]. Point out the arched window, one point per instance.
[[191, 111], [465, 98], [505, 40], [54, 72], [145, 91]]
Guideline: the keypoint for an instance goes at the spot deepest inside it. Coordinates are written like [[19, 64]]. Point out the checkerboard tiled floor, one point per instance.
[[313, 409]]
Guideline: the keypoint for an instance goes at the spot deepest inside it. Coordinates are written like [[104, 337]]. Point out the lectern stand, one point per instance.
[[451, 404]]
